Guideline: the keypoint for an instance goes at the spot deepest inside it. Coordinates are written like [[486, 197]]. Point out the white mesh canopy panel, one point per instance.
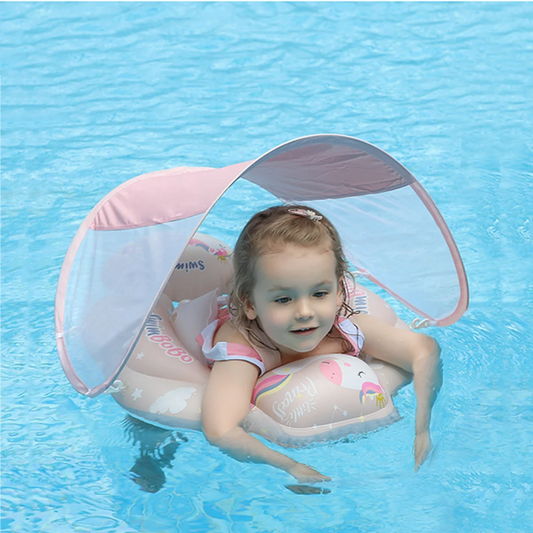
[[378, 232], [113, 280]]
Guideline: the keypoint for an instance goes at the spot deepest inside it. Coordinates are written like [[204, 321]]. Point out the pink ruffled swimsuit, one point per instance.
[[264, 358]]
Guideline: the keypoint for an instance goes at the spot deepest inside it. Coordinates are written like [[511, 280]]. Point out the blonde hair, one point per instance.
[[271, 230]]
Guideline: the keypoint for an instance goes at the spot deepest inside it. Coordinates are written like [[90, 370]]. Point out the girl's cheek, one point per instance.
[[279, 317]]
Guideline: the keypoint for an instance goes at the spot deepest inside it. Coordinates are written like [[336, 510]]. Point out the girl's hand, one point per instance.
[[422, 448], [305, 474]]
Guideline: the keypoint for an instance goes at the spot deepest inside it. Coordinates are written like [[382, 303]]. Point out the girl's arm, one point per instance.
[[415, 353], [226, 403]]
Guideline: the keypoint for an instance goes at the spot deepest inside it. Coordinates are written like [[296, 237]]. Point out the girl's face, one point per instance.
[[296, 297]]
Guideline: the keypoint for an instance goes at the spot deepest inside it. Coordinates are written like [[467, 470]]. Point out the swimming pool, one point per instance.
[[94, 94]]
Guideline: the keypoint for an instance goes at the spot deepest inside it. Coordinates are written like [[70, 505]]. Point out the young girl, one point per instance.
[[289, 302]]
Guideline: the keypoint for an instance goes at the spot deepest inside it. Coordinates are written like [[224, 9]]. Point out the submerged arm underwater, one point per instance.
[[416, 353], [427, 378], [234, 381]]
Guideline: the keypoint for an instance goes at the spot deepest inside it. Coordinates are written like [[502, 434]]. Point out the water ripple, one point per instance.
[[95, 94]]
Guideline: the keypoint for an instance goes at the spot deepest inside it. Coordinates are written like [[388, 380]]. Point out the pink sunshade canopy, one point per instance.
[[125, 250]]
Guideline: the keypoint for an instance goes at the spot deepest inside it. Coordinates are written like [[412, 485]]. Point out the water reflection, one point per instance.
[[157, 448]]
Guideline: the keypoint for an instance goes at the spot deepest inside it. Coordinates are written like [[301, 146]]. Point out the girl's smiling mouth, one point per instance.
[[304, 331]]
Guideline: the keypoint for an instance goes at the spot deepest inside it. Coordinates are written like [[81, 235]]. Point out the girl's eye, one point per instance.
[[284, 300], [321, 294]]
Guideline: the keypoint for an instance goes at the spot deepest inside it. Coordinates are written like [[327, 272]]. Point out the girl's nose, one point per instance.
[[304, 311]]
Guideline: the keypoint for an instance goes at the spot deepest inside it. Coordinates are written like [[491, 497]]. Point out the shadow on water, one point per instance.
[[307, 489], [157, 448]]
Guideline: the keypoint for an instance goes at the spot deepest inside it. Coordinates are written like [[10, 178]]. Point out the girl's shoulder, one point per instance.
[[228, 332]]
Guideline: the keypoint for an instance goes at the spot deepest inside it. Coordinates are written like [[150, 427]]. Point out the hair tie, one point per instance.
[[307, 213]]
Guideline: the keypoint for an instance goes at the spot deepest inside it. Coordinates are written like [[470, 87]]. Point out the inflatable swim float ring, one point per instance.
[[319, 398], [116, 330]]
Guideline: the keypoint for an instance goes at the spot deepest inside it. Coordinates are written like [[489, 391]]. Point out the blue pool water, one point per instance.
[[95, 94]]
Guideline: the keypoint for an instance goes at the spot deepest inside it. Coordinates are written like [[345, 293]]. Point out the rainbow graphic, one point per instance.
[[372, 390], [270, 386], [220, 252]]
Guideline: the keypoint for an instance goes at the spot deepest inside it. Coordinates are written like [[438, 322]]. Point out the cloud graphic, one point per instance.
[[173, 401]]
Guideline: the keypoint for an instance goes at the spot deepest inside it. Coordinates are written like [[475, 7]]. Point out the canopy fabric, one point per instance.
[[125, 250]]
